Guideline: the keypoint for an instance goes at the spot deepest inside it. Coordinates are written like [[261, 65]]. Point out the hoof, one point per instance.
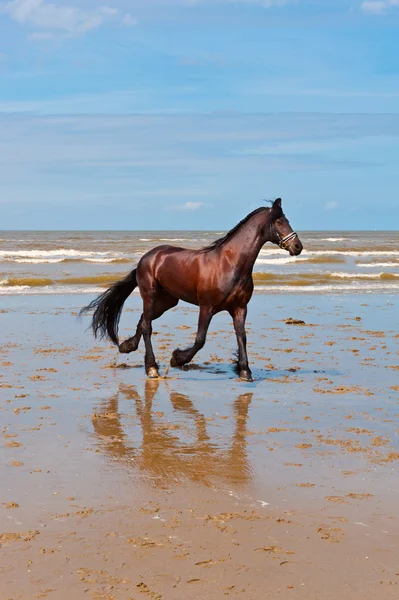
[[152, 373], [174, 361], [246, 375], [128, 346], [124, 347]]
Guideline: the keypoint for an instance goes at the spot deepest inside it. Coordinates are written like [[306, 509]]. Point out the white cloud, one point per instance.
[[190, 206], [331, 206], [264, 3], [378, 6], [129, 20], [69, 20]]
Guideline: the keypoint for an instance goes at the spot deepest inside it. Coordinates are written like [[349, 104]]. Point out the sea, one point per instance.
[[85, 262]]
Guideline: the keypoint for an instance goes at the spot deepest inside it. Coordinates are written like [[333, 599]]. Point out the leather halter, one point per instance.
[[284, 241]]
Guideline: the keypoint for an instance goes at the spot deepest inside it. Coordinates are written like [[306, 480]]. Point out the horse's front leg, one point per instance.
[[182, 357], [239, 315]]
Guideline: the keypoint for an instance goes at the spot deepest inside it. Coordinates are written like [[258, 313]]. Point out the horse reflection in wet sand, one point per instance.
[[215, 278], [161, 453]]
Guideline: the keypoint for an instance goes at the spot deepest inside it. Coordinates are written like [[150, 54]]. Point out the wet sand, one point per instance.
[[198, 485]]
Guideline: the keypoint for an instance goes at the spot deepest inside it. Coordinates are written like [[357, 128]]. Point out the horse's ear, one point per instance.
[[277, 204]]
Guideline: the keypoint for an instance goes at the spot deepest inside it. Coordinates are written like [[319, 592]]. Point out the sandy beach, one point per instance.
[[198, 485]]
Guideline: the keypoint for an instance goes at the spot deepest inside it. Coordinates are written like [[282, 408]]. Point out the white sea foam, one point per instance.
[[353, 252], [177, 239], [310, 253], [101, 260], [326, 289], [59, 290], [355, 287], [17, 289], [108, 256], [333, 239], [38, 260], [57, 256], [283, 260], [359, 275], [59, 253], [378, 264], [48, 291], [275, 261]]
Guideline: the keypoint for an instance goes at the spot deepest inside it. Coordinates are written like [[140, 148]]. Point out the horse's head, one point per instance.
[[282, 233]]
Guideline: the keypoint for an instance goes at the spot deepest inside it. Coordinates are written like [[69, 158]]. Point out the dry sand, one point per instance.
[[198, 485]]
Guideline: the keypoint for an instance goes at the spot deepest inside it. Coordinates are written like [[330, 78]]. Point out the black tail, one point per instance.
[[108, 307]]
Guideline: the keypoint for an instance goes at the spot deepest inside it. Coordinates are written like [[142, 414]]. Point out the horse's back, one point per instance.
[[155, 256]]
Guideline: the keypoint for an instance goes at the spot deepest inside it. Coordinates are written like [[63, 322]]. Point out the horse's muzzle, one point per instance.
[[295, 248], [291, 243]]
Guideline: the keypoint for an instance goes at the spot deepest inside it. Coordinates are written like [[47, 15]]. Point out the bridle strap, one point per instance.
[[284, 241]]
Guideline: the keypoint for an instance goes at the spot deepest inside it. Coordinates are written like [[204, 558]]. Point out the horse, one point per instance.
[[216, 278]]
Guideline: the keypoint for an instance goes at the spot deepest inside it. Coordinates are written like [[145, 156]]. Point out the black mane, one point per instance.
[[225, 238]]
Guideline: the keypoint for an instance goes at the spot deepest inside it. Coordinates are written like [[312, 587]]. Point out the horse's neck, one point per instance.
[[248, 241]]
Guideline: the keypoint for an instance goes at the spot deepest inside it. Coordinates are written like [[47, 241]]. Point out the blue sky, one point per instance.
[[171, 114]]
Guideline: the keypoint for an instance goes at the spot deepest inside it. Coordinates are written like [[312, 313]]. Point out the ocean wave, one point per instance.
[[358, 288], [39, 260], [156, 239], [270, 255], [99, 280], [17, 289], [308, 279], [26, 282], [97, 260], [378, 264], [269, 279], [272, 251], [48, 291], [332, 239], [175, 240], [59, 253], [355, 252], [381, 275], [275, 261], [328, 289], [107, 260], [292, 260]]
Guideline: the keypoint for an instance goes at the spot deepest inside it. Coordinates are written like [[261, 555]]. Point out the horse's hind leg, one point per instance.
[[132, 343], [163, 302], [155, 304], [182, 357]]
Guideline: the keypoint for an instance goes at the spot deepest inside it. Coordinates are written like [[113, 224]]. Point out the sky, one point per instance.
[[188, 114]]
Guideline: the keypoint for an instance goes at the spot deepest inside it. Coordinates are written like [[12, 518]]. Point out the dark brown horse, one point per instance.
[[215, 278]]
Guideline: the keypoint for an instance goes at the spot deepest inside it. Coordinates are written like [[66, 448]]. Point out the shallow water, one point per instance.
[[199, 485]]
